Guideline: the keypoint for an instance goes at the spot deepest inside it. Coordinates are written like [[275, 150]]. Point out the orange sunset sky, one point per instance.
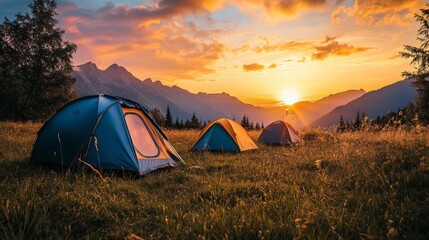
[[260, 51]]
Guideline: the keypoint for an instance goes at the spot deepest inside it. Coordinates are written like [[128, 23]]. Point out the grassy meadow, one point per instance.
[[370, 185]]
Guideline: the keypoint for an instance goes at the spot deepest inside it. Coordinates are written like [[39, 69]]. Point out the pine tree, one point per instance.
[[358, 122], [348, 126], [420, 60], [363, 120], [262, 126], [195, 122], [168, 123], [341, 125], [243, 122], [257, 126], [157, 116], [177, 123], [36, 64], [187, 124]]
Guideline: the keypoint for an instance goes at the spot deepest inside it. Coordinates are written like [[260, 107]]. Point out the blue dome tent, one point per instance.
[[104, 132]]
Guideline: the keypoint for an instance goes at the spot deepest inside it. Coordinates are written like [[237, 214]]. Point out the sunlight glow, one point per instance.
[[289, 97]]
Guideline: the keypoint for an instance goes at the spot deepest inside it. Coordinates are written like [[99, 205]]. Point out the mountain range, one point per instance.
[[302, 114], [373, 104], [116, 80]]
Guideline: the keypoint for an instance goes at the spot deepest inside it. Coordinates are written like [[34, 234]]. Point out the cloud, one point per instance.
[[396, 56], [167, 9], [159, 10], [284, 46], [169, 49], [273, 65], [378, 12], [288, 8], [253, 67], [329, 39], [332, 47], [302, 60]]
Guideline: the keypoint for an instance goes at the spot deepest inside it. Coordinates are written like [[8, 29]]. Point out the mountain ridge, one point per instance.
[[153, 94], [117, 80], [374, 103], [304, 113]]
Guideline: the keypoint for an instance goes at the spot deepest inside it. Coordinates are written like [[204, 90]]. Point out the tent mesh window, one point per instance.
[[142, 139]]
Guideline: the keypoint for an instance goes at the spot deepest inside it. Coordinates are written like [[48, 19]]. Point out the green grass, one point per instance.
[[351, 186]]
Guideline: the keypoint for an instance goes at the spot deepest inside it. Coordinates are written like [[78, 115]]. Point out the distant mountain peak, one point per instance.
[[118, 71], [88, 66], [115, 67], [157, 82]]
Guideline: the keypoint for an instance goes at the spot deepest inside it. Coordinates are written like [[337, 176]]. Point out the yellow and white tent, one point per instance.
[[224, 135]]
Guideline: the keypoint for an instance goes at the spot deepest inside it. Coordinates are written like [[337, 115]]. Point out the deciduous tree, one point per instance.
[[35, 64]]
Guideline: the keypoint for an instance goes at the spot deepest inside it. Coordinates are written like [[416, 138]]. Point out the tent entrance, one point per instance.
[[141, 136], [216, 138]]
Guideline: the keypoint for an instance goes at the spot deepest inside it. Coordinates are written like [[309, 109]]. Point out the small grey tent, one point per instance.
[[279, 133]]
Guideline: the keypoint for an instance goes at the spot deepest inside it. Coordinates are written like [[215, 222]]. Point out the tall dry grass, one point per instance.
[[351, 185]]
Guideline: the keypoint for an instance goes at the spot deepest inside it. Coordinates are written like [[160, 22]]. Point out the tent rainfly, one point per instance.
[[104, 132], [224, 135], [279, 133]]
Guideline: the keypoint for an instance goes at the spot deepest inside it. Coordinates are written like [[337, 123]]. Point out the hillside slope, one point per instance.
[[373, 104]]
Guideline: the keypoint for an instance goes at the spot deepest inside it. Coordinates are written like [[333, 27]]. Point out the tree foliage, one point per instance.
[[420, 60], [406, 117], [341, 125], [195, 122], [245, 122], [157, 116], [35, 64], [168, 122]]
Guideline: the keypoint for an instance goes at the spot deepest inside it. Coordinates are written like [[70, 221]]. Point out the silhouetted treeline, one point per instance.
[[249, 125], [166, 120], [406, 116]]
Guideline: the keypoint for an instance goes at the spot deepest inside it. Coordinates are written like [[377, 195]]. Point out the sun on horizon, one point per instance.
[[289, 97]]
